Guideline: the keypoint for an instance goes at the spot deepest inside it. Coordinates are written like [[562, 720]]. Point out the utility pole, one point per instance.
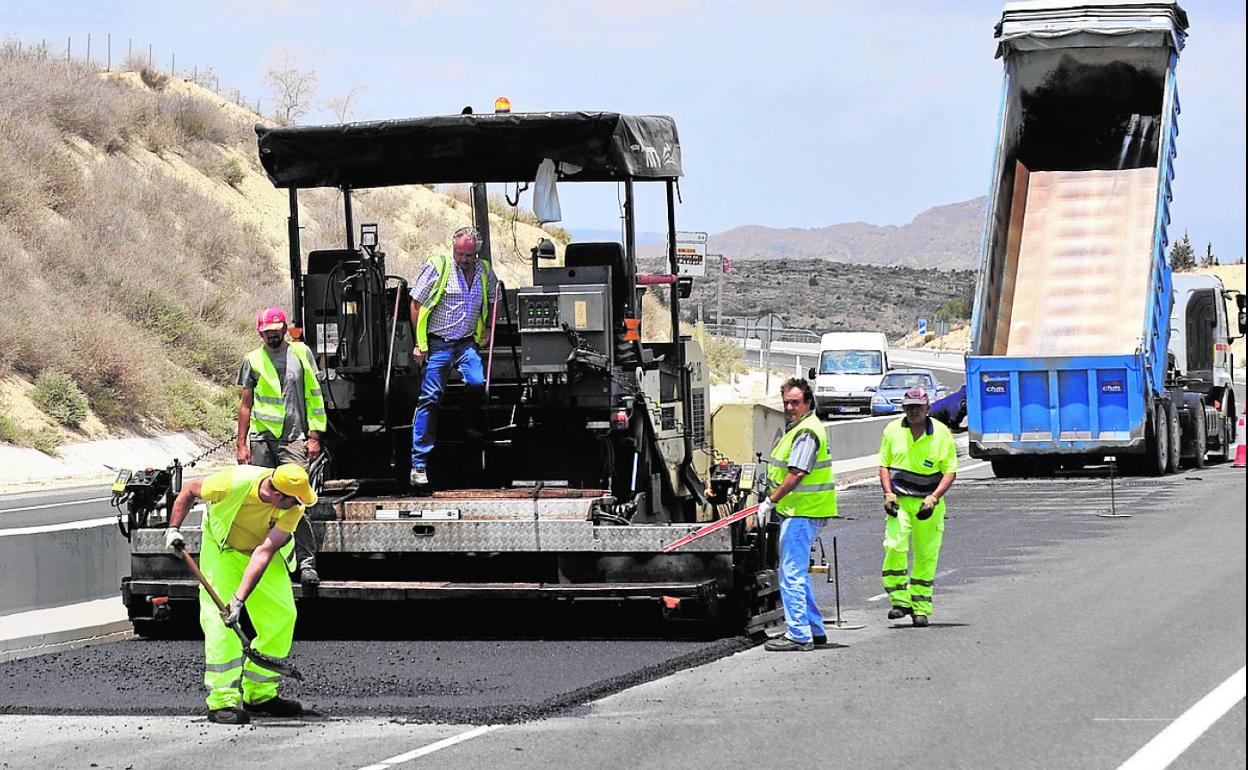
[[767, 368], [719, 294]]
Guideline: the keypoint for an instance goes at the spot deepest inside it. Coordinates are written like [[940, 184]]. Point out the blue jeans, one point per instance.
[[801, 614], [442, 356]]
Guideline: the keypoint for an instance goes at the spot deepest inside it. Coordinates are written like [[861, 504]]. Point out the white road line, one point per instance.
[[399, 759], [1168, 744], [972, 466], [85, 524], [55, 505]]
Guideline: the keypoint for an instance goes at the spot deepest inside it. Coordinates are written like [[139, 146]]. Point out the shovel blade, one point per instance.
[[273, 664]]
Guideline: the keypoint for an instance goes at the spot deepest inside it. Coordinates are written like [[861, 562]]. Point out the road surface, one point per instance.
[[1060, 638]]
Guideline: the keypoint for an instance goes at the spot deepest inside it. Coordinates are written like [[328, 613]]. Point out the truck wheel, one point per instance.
[[1175, 460], [1006, 467], [1199, 442], [1156, 443]]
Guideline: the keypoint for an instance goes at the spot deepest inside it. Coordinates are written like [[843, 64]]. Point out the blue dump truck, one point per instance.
[[1069, 358]]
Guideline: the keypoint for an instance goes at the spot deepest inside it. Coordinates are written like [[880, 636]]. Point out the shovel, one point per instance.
[[259, 658]]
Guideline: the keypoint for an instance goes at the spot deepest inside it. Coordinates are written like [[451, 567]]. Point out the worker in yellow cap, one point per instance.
[[252, 512]]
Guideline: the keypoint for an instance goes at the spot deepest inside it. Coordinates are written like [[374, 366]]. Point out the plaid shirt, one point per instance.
[[455, 315]]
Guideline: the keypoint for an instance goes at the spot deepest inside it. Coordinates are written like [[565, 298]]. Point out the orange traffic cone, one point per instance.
[[1239, 448]]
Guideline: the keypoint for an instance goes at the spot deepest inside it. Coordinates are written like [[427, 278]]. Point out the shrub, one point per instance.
[[558, 233], [235, 173], [9, 432], [723, 356], [197, 120], [47, 440], [153, 79], [190, 408], [60, 398], [135, 62]]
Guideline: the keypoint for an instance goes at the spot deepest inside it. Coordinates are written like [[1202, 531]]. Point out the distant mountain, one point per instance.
[[945, 237]]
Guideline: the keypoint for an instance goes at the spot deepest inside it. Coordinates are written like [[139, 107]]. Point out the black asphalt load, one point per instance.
[[456, 682]]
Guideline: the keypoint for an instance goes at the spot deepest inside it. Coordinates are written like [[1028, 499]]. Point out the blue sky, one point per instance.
[[792, 114]]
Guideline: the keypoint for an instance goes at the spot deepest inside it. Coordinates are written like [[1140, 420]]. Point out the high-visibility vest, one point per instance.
[[916, 466], [815, 494], [220, 515], [443, 263], [268, 408]]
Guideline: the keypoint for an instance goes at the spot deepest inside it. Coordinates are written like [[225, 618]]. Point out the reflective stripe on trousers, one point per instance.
[[912, 587], [271, 607]]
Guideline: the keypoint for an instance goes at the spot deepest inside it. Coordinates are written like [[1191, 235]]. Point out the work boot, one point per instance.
[[309, 577], [419, 477], [785, 644], [276, 706], [920, 621], [898, 612], [228, 716], [819, 640]]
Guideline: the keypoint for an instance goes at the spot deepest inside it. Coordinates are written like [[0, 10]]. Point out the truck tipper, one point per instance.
[[1069, 359]]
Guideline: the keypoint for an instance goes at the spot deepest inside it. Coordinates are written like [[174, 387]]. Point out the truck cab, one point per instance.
[[1201, 365], [851, 365]]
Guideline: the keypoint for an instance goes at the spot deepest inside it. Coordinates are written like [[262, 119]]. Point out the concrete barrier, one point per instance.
[[60, 564], [856, 438], [742, 430]]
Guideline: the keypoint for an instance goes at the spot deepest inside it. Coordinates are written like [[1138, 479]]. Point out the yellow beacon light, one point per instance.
[[502, 104]]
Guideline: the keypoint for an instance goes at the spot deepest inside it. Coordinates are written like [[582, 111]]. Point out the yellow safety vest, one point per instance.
[[443, 264], [268, 408], [220, 515], [915, 466], [815, 495]]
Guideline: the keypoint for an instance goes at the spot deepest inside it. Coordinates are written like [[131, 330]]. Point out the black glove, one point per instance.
[[927, 508]]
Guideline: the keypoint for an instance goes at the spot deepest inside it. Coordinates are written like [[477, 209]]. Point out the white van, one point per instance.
[[851, 365]]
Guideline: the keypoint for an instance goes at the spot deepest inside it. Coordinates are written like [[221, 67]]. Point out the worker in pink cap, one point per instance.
[[281, 414]]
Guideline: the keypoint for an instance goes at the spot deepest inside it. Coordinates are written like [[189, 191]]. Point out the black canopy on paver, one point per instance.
[[506, 147]]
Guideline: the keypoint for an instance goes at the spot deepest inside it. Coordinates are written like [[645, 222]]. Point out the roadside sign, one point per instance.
[[725, 264], [690, 253], [922, 327]]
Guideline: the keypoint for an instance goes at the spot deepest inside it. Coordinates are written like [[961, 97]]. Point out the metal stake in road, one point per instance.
[[1113, 498], [839, 624]]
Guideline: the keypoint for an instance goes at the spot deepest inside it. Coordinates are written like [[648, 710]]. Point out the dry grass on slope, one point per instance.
[[130, 283], [139, 236]]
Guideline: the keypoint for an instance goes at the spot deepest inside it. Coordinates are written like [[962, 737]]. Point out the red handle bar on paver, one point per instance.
[[714, 526]]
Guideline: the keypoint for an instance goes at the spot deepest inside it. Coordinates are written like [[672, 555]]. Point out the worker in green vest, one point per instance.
[[918, 463], [802, 494], [281, 415], [449, 312], [251, 515]]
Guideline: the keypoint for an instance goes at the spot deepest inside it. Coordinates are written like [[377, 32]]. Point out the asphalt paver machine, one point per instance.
[[588, 452]]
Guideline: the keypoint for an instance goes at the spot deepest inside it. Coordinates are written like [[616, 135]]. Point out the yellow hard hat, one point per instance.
[[291, 479]]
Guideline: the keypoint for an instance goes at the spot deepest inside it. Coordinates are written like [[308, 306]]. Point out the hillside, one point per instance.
[[944, 237], [823, 296], [139, 238]]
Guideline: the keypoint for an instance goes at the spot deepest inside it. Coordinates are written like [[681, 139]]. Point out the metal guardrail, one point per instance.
[[753, 331]]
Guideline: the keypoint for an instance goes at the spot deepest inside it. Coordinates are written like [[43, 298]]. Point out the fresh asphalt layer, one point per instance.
[[1060, 638]]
